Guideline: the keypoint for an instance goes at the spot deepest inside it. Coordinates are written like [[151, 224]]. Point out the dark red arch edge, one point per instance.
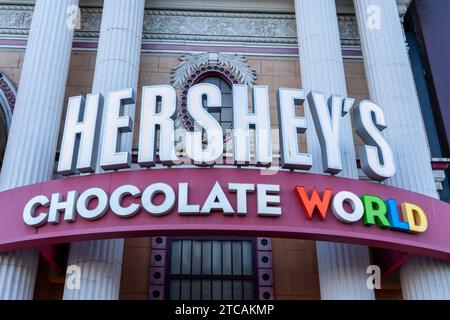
[[14, 234]]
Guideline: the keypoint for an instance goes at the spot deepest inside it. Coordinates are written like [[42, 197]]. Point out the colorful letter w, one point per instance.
[[310, 204]]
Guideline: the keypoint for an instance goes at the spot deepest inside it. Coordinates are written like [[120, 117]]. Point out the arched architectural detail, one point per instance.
[[8, 93], [193, 68], [7, 103]]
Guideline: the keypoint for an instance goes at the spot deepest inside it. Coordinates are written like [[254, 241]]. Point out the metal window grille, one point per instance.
[[217, 269]]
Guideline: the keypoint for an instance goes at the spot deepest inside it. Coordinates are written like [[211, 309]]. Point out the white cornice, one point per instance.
[[343, 6]]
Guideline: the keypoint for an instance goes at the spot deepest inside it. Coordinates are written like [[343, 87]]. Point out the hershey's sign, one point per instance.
[[205, 145]]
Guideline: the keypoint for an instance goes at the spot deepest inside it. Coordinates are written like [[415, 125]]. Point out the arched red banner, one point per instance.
[[292, 223]]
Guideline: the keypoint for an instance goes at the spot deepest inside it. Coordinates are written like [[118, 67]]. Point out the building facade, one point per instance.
[[362, 49]]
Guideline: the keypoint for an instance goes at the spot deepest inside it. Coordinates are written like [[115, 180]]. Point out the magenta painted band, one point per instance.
[[182, 48], [15, 234]]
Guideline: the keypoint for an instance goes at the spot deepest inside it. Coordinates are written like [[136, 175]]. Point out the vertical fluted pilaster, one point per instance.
[[18, 274], [117, 67], [342, 267], [391, 85], [119, 52], [424, 278], [100, 264], [322, 69], [342, 271], [30, 153]]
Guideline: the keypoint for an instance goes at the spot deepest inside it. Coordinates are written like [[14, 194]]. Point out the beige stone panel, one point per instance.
[[354, 69], [13, 74], [301, 261], [287, 244], [255, 64], [137, 126], [357, 86], [153, 78], [10, 58], [80, 78], [133, 296], [274, 118], [271, 81], [136, 258], [76, 91], [297, 69], [278, 67], [296, 285], [149, 63], [356, 79], [167, 63], [22, 57], [360, 97], [80, 61], [135, 268], [139, 242], [134, 281], [289, 82], [92, 61], [144, 78], [275, 141], [295, 269]]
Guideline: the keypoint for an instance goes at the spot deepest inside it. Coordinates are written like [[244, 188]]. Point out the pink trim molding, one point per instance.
[[93, 45]]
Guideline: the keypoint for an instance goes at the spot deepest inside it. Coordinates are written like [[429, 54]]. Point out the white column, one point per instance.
[[31, 149], [391, 85], [342, 267], [117, 67]]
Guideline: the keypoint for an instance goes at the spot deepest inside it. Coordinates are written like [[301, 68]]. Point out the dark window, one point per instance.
[[431, 118], [224, 113], [211, 269]]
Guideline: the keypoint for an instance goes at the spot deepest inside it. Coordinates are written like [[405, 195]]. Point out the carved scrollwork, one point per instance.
[[234, 65], [185, 25], [8, 94]]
